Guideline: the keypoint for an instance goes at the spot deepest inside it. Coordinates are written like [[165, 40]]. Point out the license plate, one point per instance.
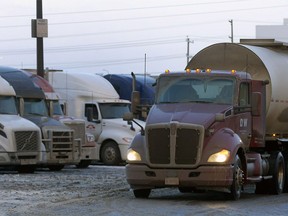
[[172, 181]]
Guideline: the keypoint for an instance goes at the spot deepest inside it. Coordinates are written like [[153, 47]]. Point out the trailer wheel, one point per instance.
[[83, 164], [276, 184], [110, 154], [237, 183], [142, 193]]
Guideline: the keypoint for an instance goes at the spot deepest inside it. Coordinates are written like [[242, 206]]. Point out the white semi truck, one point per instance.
[[60, 146], [88, 144], [20, 139], [93, 98]]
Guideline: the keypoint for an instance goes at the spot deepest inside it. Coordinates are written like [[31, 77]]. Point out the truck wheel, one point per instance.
[[26, 169], [110, 154], [237, 183], [142, 193], [56, 167], [83, 164], [276, 184]]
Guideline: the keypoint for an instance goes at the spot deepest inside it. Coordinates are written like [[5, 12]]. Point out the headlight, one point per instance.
[[133, 155], [220, 157]]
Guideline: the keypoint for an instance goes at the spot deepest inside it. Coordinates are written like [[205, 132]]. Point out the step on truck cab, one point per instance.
[[60, 147], [88, 144], [93, 98], [217, 127], [20, 139]]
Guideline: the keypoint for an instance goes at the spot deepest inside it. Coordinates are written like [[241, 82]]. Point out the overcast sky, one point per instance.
[[115, 36]]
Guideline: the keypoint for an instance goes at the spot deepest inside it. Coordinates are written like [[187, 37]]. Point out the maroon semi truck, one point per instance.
[[216, 127]]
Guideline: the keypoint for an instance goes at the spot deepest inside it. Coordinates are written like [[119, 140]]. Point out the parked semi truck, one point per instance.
[[93, 98], [88, 144], [220, 126], [126, 85], [20, 139], [60, 147]]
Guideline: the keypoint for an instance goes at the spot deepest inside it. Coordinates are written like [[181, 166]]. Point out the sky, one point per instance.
[[140, 36]]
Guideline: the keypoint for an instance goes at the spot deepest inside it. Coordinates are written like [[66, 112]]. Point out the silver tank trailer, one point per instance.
[[264, 60]]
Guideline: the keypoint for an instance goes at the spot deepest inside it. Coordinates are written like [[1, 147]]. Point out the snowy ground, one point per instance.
[[102, 190]]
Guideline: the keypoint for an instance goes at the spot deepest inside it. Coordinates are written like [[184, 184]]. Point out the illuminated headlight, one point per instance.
[[133, 155], [127, 139], [220, 157]]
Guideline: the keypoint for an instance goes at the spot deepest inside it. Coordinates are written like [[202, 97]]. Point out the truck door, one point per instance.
[[244, 115], [94, 125]]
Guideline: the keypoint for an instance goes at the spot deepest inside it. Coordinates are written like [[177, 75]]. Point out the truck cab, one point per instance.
[[60, 146], [93, 98], [88, 144], [205, 131], [20, 139]]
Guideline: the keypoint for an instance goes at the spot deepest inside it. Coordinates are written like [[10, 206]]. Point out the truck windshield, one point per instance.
[[35, 107], [203, 89], [113, 110], [8, 105]]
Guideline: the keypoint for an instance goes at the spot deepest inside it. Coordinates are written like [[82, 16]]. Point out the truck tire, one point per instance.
[[142, 193], [110, 154], [83, 164], [276, 184], [238, 177], [56, 167], [26, 169]]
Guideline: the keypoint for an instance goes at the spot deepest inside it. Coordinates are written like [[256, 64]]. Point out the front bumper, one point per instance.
[[141, 176]]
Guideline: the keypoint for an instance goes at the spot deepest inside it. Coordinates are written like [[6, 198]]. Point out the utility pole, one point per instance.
[[39, 30], [231, 37]]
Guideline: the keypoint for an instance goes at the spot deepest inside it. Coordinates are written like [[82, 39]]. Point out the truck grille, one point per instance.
[[79, 130], [62, 141], [175, 144], [27, 140]]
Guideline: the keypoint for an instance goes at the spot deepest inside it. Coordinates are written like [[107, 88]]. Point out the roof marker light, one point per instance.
[[188, 70], [208, 70], [233, 71], [198, 70], [167, 71]]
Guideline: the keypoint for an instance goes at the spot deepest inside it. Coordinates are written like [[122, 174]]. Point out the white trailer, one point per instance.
[[20, 139], [93, 98]]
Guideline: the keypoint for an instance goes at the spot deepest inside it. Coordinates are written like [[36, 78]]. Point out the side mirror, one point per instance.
[[51, 108], [89, 114], [21, 106], [128, 116], [135, 101]]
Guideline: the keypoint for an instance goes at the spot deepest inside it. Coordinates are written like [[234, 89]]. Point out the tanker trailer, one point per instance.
[[263, 59], [220, 125]]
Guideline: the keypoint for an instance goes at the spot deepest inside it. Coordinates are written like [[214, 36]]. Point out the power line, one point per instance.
[[93, 47], [155, 16], [127, 9]]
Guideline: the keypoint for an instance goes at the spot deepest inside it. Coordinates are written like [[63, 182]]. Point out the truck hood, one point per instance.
[[193, 113], [15, 123], [120, 124]]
